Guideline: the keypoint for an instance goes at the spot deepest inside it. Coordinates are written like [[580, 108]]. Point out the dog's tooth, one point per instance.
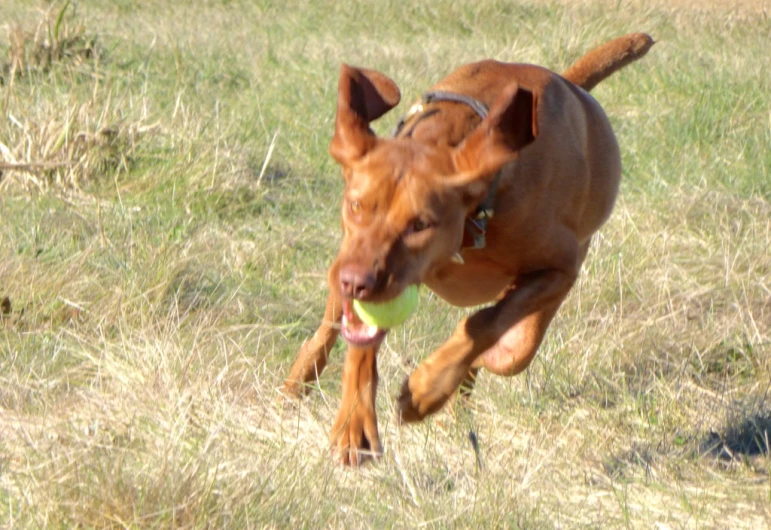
[[457, 258], [372, 331]]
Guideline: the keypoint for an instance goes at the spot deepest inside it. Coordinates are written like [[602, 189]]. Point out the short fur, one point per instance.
[[405, 207]]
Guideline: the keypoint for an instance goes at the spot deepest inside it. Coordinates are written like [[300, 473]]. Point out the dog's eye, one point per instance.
[[419, 224]]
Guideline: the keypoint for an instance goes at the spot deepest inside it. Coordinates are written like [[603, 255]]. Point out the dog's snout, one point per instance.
[[356, 282]]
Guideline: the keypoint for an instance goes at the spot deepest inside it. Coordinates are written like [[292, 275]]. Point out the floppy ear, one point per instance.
[[362, 97], [510, 125]]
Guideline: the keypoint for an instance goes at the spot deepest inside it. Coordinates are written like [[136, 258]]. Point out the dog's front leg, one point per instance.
[[313, 355], [354, 435], [503, 338]]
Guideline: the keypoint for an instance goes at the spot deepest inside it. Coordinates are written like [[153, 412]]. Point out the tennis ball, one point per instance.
[[389, 314]]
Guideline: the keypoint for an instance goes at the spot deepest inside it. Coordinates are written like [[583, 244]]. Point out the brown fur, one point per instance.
[[406, 201]]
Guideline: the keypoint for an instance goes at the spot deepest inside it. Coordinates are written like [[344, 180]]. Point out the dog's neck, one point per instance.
[[419, 112], [476, 222]]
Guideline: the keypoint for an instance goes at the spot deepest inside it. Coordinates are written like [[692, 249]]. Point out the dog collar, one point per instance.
[[476, 223], [440, 95]]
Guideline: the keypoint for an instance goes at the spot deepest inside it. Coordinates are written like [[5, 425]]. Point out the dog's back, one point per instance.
[[580, 181]]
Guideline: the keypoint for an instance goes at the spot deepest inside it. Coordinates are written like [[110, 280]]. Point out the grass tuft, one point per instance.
[[58, 40], [68, 146], [61, 142]]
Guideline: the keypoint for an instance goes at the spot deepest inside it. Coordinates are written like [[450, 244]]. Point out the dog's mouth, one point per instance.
[[357, 333]]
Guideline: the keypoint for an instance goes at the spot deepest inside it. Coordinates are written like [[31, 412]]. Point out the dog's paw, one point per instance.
[[354, 438], [426, 391], [408, 405], [286, 402], [293, 389]]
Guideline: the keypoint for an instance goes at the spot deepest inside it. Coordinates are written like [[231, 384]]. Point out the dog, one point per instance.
[[488, 192]]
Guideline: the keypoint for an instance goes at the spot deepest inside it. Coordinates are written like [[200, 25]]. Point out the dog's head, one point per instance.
[[405, 202]]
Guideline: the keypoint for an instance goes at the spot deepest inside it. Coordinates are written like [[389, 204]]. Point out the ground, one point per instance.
[[168, 209]]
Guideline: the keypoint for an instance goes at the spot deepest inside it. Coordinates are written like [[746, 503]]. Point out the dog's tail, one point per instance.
[[606, 59]]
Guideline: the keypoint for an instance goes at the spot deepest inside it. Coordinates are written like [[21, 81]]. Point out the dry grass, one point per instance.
[[68, 145], [59, 142], [167, 210], [58, 37], [743, 8]]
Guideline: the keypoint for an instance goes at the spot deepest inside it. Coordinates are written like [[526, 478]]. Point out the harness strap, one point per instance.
[[440, 95], [476, 224]]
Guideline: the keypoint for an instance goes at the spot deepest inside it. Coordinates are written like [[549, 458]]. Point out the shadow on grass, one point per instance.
[[747, 438], [742, 440]]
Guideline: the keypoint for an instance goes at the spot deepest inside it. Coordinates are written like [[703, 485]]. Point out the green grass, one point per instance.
[[164, 264]]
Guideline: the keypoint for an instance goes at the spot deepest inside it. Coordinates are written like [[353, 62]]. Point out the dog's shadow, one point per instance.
[[742, 440], [748, 436]]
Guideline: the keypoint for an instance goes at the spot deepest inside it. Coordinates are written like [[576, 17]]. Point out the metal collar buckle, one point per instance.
[[477, 227]]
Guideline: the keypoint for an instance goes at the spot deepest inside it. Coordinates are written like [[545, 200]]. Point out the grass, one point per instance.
[[168, 209]]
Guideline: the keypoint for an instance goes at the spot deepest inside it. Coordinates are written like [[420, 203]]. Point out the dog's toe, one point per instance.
[[354, 439], [408, 405]]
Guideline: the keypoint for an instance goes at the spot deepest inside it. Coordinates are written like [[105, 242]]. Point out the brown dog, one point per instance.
[[489, 191]]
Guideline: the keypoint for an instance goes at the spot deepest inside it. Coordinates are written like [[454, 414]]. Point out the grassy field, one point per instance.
[[168, 209]]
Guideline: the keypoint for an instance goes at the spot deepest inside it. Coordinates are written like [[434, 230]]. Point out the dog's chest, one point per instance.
[[474, 282]]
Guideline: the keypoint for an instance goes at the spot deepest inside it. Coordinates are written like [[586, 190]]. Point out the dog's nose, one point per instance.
[[356, 282]]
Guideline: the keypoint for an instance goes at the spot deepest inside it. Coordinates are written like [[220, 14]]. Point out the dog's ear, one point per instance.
[[511, 124], [362, 97]]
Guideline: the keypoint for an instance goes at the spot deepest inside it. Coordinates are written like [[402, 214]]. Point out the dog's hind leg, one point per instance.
[[516, 348], [514, 351]]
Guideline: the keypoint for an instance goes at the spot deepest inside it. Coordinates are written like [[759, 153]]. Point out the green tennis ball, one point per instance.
[[389, 314]]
